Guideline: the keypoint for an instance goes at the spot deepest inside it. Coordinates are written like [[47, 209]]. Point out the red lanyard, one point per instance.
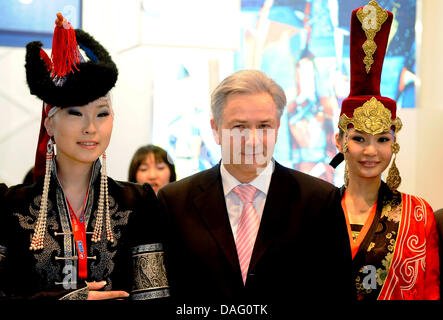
[[78, 229]]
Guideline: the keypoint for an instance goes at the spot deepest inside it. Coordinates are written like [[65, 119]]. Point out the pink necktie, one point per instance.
[[247, 227]]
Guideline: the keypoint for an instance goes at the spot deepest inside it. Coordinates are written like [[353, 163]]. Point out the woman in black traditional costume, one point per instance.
[[76, 233]]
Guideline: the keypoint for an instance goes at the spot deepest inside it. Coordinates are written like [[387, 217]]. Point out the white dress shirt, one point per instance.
[[234, 204]]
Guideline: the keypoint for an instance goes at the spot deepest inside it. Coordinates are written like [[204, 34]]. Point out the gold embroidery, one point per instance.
[[392, 212], [372, 117], [382, 273], [371, 16], [150, 280], [380, 251]]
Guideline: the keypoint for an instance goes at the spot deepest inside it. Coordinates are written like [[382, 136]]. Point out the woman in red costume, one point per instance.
[[77, 234], [394, 237]]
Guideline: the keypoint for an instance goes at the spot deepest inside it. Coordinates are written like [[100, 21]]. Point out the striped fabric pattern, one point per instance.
[[247, 228]]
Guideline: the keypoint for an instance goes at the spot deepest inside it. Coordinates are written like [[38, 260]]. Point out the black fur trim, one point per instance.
[[91, 81]]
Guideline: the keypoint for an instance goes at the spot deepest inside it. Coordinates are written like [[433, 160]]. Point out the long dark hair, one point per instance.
[[160, 155]]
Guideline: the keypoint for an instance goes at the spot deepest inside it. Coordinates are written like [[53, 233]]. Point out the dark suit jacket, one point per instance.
[[302, 250]]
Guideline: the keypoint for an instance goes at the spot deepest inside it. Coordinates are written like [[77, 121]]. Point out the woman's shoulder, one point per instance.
[[142, 201], [17, 198], [419, 209], [414, 201], [3, 188], [126, 186], [21, 192], [130, 192]]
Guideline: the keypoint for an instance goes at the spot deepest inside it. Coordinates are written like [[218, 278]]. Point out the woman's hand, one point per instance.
[[94, 294]]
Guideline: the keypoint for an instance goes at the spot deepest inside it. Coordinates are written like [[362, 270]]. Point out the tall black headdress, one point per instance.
[[64, 80]]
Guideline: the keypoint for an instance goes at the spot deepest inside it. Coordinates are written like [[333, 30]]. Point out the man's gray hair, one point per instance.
[[246, 82]]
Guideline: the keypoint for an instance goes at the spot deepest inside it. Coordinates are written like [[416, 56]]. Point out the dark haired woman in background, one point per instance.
[[151, 164]]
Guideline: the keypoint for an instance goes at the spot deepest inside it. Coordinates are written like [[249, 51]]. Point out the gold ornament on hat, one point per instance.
[[372, 117], [371, 16]]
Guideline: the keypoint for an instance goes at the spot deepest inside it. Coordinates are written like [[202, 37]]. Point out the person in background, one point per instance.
[[393, 235], [249, 229], [76, 234], [152, 164]]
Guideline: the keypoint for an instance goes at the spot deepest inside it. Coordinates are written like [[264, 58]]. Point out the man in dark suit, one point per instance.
[[249, 229]]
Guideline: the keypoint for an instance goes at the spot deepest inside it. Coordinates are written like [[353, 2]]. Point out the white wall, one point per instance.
[[427, 157], [113, 22], [20, 115]]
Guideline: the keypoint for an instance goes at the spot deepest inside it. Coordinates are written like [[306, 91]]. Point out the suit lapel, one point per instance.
[[211, 205], [276, 212]]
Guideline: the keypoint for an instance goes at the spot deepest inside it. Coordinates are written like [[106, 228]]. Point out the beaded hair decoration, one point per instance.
[[40, 227]]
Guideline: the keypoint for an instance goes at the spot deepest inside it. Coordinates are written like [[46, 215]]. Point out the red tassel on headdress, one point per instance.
[[46, 59], [65, 54]]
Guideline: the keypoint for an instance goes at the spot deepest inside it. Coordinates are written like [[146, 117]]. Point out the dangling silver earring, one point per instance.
[[103, 207], [40, 227]]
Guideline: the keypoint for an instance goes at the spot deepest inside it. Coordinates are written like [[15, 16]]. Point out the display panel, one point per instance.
[[22, 21], [304, 46]]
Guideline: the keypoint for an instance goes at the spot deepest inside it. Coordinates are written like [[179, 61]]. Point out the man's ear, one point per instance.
[[338, 143], [214, 127]]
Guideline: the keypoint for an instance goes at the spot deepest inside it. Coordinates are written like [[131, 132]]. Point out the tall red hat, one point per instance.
[[365, 109], [367, 53]]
